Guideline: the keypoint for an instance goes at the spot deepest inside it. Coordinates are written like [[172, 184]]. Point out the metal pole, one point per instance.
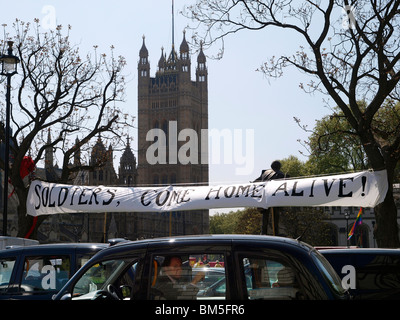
[[6, 155], [347, 230]]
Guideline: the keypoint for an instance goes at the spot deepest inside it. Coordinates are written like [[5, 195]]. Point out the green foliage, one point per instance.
[[294, 167], [308, 224], [334, 147], [247, 221], [223, 223]]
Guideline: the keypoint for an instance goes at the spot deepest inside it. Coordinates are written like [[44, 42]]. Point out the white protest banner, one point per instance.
[[360, 189]]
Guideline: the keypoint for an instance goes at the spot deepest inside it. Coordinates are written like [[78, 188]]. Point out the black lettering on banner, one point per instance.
[[179, 197], [282, 187], [159, 196], [112, 193], [142, 199], [94, 195], [342, 185], [81, 197], [51, 204], [229, 195], [212, 190], [296, 194], [243, 189], [256, 190], [45, 196], [328, 188], [174, 197], [231, 191], [61, 202], [72, 197], [37, 191], [312, 189], [185, 193]]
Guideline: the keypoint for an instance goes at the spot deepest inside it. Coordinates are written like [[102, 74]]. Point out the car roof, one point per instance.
[[350, 251], [213, 239], [55, 247]]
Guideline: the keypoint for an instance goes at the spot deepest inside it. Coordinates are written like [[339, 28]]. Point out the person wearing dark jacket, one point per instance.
[[266, 175], [171, 283]]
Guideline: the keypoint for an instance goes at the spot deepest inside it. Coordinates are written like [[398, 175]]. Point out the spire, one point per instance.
[[143, 53], [201, 58], [161, 62], [201, 71], [184, 48], [173, 22], [143, 66]]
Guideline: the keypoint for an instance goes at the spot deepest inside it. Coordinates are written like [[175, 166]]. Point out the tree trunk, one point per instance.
[[27, 225], [386, 230]]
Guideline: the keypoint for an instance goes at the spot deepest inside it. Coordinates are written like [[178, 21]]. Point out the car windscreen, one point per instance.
[[328, 272], [99, 275]]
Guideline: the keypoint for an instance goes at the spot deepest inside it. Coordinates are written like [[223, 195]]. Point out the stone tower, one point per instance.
[[172, 114], [127, 168], [102, 158], [178, 108]]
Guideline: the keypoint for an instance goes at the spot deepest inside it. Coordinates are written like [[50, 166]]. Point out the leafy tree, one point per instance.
[[351, 58], [294, 167], [58, 89], [334, 147], [248, 222], [224, 223], [307, 224]]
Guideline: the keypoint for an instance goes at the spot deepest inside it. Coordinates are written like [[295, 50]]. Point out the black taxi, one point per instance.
[[249, 268], [367, 273], [37, 272]]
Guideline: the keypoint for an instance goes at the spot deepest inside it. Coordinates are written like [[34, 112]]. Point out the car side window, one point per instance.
[[81, 259], [193, 276], [269, 278], [120, 273], [45, 273], [6, 268]]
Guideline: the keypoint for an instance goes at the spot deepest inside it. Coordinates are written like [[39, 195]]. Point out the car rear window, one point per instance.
[[45, 273], [6, 268]]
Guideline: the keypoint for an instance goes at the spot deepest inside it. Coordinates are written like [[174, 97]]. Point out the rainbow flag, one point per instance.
[[357, 222]]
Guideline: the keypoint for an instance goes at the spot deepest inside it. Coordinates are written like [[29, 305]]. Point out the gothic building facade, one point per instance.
[[92, 227], [176, 107], [172, 114]]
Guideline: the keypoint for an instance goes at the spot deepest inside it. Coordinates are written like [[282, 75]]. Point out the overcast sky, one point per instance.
[[241, 99]]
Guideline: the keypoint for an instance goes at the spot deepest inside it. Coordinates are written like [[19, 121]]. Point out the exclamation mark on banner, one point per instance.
[[363, 182]]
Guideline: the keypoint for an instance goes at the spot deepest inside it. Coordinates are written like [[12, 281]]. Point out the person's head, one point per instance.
[[173, 267], [276, 165]]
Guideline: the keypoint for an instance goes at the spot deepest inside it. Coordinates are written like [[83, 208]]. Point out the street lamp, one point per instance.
[[8, 68]]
